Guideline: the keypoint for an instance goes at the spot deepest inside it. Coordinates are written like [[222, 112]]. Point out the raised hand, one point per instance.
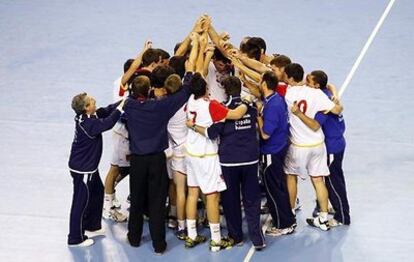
[[147, 44], [206, 23], [204, 40], [198, 26], [225, 36], [194, 36]]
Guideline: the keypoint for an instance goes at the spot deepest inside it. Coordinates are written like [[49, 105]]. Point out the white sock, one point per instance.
[[181, 224], [108, 201], [323, 216], [215, 232], [191, 228], [173, 211]]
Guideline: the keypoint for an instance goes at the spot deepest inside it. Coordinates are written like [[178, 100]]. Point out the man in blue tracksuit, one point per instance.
[[86, 151], [147, 121], [333, 127], [274, 131], [239, 157]]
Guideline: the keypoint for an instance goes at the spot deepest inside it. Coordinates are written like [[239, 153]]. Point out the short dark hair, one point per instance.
[[128, 64], [253, 51], [178, 63], [198, 86], [160, 74], [232, 85], [79, 103], [320, 77], [270, 79], [295, 71], [243, 44], [259, 42], [281, 61], [150, 56], [163, 54], [218, 55], [140, 87]]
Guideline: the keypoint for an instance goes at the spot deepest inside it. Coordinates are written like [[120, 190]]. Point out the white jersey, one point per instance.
[[203, 112], [310, 101], [118, 92], [215, 89], [177, 129]]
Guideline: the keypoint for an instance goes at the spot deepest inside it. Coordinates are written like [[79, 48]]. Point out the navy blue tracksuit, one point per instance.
[[239, 154], [333, 127], [147, 122], [276, 126], [88, 190]]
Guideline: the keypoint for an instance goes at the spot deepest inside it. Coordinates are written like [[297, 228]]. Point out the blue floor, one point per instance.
[[51, 50]]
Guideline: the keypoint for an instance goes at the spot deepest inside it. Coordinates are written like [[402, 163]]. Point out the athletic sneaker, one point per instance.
[[334, 223], [233, 242], [260, 248], [114, 215], [316, 222], [190, 243], [172, 222], [222, 245], [86, 243], [96, 233], [275, 232], [181, 234]]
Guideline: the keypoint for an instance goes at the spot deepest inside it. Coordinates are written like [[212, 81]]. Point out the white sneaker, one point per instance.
[[96, 233], [172, 223], [275, 232], [114, 215], [317, 222], [86, 243], [334, 223]]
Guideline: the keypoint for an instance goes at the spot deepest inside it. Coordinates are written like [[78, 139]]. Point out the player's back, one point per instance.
[[197, 144], [310, 101], [177, 128]]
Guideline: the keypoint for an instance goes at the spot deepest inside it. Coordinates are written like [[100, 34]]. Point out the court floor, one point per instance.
[[51, 50]]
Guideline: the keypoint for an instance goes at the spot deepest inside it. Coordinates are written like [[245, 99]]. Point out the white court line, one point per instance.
[[342, 90], [365, 48]]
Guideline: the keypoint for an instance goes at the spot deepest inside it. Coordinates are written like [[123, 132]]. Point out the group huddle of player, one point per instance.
[[200, 125]]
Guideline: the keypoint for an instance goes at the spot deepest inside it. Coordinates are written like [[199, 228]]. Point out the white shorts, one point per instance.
[[178, 159], [304, 161], [168, 158], [169, 170], [120, 151], [205, 173]]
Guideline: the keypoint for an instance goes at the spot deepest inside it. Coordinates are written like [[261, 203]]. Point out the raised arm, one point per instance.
[[190, 64], [252, 86], [253, 64], [182, 49], [209, 54], [135, 65], [200, 57], [245, 70], [215, 37]]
